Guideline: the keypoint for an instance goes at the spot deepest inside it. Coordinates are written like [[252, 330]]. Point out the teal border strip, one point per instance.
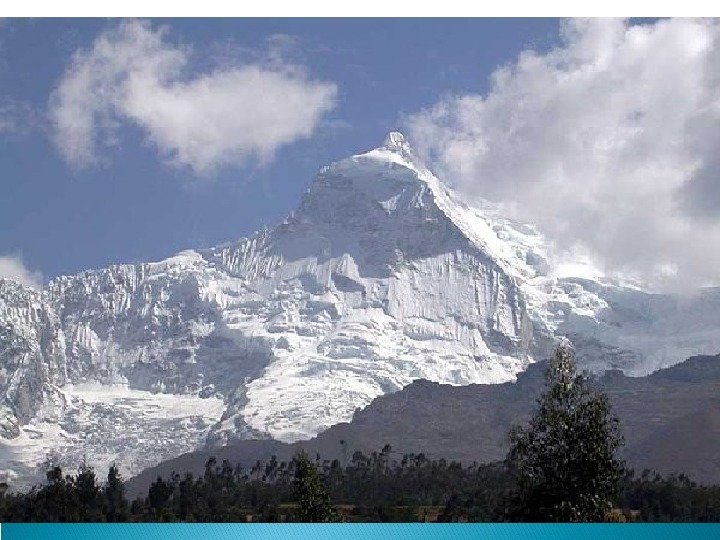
[[395, 531]]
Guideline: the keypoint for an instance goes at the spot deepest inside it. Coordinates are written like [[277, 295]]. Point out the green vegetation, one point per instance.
[[564, 461], [310, 494], [561, 467], [370, 488], [383, 486]]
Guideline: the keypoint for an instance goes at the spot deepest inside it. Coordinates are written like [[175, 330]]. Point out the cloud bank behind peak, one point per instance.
[[610, 143]]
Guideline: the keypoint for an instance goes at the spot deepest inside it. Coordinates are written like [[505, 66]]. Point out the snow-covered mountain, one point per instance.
[[380, 277]]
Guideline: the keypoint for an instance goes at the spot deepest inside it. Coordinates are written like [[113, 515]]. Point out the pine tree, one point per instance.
[[88, 493], [159, 495], [309, 492], [564, 461], [55, 501], [116, 508]]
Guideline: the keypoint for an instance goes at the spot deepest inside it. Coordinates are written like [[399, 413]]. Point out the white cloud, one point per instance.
[[227, 116], [610, 143], [12, 267]]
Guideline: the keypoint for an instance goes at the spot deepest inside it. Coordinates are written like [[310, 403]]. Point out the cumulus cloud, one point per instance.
[[610, 143], [12, 267], [133, 75]]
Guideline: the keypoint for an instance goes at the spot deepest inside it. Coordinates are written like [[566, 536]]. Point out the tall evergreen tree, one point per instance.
[[564, 461], [116, 507], [310, 493], [55, 502], [88, 494]]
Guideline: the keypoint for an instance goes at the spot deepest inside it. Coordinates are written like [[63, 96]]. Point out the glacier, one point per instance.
[[381, 276]]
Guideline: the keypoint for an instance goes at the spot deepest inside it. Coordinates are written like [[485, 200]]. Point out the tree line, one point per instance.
[[562, 466]]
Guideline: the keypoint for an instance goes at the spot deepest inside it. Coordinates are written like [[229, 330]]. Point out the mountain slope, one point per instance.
[[382, 276], [377, 279], [669, 421]]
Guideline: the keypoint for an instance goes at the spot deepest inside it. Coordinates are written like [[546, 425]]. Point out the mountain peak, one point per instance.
[[381, 276], [396, 141]]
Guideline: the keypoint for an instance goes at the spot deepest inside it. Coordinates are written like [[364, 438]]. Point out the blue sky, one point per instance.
[[129, 140], [134, 206]]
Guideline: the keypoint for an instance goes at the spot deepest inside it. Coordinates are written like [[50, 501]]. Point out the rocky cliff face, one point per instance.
[[32, 351], [670, 421], [382, 276], [369, 285]]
